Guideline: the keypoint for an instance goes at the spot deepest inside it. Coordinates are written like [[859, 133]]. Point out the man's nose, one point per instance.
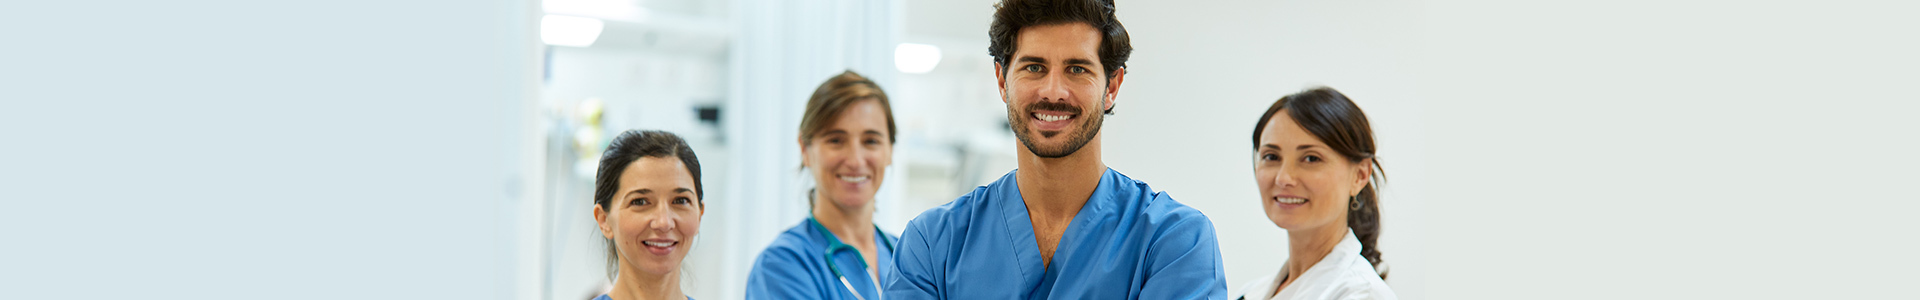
[[1054, 88]]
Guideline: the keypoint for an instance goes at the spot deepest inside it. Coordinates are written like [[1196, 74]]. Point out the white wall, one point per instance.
[[1671, 149], [245, 149]]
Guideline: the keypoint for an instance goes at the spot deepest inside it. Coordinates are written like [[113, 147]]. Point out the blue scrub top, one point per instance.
[[1127, 242], [795, 266], [604, 297]]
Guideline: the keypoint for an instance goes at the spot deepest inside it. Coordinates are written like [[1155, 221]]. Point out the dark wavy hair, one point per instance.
[[630, 146], [1012, 15], [1334, 119]]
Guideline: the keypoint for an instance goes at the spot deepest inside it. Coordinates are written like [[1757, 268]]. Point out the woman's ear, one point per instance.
[[1363, 176], [803, 152], [600, 216]]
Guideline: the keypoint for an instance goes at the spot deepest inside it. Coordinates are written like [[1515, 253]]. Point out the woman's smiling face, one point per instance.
[[1303, 183], [849, 157], [654, 216]]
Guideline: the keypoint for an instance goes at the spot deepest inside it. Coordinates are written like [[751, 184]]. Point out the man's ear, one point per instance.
[[1113, 87], [1000, 76], [600, 216]]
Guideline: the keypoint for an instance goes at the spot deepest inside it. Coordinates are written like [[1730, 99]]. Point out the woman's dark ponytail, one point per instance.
[[1363, 217]]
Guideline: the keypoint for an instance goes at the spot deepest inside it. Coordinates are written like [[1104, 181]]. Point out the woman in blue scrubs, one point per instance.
[[647, 200], [846, 141]]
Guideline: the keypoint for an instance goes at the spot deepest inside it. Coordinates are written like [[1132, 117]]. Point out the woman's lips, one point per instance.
[[1288, 202], [660, 247]]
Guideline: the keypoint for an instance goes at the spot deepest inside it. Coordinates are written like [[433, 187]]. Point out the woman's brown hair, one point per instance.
[[1336, 120], [834, 97]]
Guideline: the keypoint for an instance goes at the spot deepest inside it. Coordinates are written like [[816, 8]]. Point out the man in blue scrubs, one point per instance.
[[1063, 225]]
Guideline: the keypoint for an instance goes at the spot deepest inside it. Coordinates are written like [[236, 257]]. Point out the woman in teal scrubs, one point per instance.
[[647, 200], [846, 139]]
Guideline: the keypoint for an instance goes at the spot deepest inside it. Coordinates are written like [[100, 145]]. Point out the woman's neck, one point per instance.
[[852, 225], [635, 285], [1306, 247]]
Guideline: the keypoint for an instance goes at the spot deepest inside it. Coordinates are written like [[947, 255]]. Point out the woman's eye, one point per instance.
[[1034, 68], [1310, 158], [833, 141], [682, 200], [873, 141], [1269, 157], [639, 202]]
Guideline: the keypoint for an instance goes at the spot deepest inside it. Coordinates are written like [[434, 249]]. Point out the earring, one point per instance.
[[1353, 203]]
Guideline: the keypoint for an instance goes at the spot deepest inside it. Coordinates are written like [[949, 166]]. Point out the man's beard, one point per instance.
[[1084, 132]]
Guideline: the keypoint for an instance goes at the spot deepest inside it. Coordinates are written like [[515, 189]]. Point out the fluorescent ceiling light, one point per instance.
[[916, 58], [616, 10], [570, 31]]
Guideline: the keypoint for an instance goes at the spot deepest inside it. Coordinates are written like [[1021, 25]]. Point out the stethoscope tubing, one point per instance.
[[831, 249]]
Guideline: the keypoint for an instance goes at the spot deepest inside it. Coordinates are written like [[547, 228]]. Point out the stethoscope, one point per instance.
[[835, 246]]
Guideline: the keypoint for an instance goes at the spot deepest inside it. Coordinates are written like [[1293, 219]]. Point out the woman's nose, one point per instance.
[[1283, 178], [858, 158], [662, 221]]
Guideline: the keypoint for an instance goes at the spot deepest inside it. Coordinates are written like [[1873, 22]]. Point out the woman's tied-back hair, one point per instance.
[[1336, 120], [626, 148], [834, 97]]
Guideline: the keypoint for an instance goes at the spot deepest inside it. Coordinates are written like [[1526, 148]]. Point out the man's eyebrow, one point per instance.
[[1031, 59], [1079, 61]]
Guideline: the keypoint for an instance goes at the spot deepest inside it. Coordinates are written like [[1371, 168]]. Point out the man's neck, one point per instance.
[[635, 285], [1056, 188], [853, 226]]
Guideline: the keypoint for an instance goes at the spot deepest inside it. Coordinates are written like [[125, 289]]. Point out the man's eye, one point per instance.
[[833, 141], [1034, 68], [873, 141], [1077, 69]]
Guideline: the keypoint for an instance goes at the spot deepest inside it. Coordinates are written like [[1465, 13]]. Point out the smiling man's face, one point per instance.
[[1055, 88]]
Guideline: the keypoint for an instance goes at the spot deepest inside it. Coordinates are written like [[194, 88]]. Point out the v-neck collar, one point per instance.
[[884, 247], [1019, 228]]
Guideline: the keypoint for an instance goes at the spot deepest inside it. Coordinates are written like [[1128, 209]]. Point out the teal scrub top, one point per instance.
[[795, 266]]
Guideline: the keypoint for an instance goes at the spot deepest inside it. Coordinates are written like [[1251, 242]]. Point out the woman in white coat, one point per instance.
[[1315, 167]]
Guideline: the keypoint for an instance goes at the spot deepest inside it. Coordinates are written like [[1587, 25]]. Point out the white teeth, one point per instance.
[[1050, 118], [659, 244], [854, 179], [1291, 200]]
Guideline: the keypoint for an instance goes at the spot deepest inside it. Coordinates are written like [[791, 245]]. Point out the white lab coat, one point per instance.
[[1342, 274]]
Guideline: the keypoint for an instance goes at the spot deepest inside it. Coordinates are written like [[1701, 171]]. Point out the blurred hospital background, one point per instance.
[[440, 149]]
